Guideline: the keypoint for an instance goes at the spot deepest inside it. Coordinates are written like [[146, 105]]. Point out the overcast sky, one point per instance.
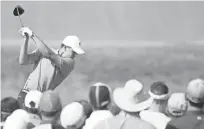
[[107, 20]]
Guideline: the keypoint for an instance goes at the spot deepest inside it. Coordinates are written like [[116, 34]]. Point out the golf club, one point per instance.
[[18, 10]]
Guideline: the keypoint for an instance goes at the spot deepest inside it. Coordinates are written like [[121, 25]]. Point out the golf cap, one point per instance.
[[50, 102], [177, 104], [99, 95], [32, 99], [159, 90], [74, 43], [72, 114], [195, 91]]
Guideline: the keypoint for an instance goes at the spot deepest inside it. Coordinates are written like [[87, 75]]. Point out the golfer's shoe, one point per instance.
[[21, 97]]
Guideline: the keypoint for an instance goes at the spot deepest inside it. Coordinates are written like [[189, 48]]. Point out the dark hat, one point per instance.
[[159, 90], [99, 95], [9, 104]]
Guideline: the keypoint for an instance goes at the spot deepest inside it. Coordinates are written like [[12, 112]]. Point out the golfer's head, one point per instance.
[[70, 47]]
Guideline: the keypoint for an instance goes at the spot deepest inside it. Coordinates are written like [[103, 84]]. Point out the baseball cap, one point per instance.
[[9, 104], [74, 43], [99, 95], [50, 102], [72, 115], [159, 90], [32, 99], [195, 91], [177, 104]]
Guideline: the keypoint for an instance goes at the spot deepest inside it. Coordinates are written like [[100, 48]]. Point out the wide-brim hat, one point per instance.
[[131, 98]]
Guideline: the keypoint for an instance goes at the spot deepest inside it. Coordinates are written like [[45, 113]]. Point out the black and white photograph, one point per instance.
[[102, 64]]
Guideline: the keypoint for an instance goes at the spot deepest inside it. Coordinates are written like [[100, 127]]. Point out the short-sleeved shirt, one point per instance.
[[47, 75]]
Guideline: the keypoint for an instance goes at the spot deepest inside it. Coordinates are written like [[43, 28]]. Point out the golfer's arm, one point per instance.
[[24, 58], [42, 47], [61, 63]]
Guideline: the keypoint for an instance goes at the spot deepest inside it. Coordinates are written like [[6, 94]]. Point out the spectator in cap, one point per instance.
[[73, 116], [100, 98], [131, 100], [19, 119], [32, 101], [177, 107], [194, 117], [8, 106], [51, 66], [50, 107], [155, 114]]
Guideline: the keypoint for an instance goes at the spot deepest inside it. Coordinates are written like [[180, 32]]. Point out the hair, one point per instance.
[[62, 45]]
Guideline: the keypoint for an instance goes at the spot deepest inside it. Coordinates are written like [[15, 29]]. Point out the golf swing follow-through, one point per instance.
[[51, 66]]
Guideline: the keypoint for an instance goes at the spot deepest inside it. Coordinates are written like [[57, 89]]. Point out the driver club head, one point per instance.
[[18, 10]]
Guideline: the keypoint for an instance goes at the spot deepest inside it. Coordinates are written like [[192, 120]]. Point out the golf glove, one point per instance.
[[24, 30]]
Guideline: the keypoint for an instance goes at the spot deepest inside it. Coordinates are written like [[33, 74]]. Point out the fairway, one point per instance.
[[111, 62]]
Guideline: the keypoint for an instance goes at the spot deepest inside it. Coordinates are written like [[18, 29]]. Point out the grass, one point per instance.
[[112, 62]]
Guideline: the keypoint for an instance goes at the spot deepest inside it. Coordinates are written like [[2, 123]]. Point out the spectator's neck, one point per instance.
[[157, 108]]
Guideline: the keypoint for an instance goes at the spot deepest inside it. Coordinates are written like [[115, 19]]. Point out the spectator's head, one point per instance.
[[19, 119], [50, 105], [195, 93], [32, 101], [87, 107], [73, 116], [8, 106], [131, 98], [100, 96], [177, 105], [159, 93]]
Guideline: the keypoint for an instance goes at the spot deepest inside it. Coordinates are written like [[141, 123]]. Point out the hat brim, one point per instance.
[[121, 99], [78, 50]]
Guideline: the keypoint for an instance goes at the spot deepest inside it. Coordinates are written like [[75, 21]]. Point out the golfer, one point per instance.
[[51, 66]]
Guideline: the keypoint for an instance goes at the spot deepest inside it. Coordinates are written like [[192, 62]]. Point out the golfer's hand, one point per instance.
[[24, 30]]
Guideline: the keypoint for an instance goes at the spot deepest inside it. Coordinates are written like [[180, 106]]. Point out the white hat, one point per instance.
[[131, 97], [19, 119], [195, 91], [74, 43], [177, 104], [72, 114], [33, 96]]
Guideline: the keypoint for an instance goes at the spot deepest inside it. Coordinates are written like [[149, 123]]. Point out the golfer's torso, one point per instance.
[[45, 76]]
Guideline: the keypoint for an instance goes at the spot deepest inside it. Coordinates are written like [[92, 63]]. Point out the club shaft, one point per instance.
[[20, 18]]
